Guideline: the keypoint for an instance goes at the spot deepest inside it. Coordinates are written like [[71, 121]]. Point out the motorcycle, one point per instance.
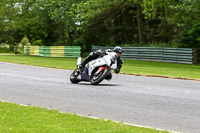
[[96, 70]]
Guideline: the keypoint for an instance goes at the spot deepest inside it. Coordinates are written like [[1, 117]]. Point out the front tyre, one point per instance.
[[74, 76], [97, 78]]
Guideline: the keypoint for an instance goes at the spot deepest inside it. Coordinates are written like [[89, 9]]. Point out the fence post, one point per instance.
[[194, 56]]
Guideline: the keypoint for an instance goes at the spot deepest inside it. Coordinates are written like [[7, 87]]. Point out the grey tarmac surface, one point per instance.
[[169, 104]]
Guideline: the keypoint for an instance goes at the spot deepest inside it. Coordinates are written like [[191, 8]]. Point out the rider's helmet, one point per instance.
[[118, 50]]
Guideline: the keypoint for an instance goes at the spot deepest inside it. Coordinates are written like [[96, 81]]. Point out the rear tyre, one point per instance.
[[74, 76], [96, 79]]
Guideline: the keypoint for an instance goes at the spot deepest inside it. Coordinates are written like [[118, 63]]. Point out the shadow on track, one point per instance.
[[98, 84]]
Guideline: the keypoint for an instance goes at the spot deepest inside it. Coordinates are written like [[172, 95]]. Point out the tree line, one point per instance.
[[175, 23]]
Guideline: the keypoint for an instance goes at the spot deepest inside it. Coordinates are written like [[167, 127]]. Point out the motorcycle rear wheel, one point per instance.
[[96, 79]]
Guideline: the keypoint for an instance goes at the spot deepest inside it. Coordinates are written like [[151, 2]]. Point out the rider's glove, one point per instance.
[[117, 70]]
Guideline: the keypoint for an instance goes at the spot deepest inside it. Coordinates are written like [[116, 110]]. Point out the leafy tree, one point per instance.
[[182, 14], [62, 14], [100, 22], [8, 11], [113, 18]]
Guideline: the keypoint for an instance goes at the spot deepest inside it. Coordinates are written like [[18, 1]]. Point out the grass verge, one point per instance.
[[7, 54], [161, 69], [147, 68], [28, 119]]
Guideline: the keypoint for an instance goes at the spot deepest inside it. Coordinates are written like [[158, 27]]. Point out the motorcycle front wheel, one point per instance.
[[74, 76], [97, 78]]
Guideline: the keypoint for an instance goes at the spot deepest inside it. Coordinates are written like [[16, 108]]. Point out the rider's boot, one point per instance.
[[109, 77], [87, 59]]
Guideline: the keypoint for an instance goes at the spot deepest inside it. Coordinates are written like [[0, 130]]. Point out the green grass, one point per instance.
[[27, 119], [6, 53], [61, 63], [162, 69], [129, 67]]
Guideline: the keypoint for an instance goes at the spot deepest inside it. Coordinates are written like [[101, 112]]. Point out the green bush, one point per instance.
[[37, 43], [85, 54], [153, 44], [4, 45], [25, 41], [191, 37], [20, 49], [5, 48]]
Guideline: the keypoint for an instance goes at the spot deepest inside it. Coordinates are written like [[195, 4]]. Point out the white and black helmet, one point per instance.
[[118, 49]]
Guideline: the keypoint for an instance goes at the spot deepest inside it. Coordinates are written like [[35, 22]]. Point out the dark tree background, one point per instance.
[[174, 23]]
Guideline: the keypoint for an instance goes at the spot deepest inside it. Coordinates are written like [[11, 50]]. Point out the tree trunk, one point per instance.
[[70, 39], [63, 33], [121, 29], [63, 37], [140, 24]]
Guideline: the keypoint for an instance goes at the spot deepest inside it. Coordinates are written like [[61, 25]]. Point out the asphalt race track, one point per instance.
[[169, 104]]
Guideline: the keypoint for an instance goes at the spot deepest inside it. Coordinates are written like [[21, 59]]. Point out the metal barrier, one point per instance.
[[160, 54], [53, 51]]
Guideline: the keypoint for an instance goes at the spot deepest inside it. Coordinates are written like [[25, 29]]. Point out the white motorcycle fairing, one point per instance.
[[107, 60]]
